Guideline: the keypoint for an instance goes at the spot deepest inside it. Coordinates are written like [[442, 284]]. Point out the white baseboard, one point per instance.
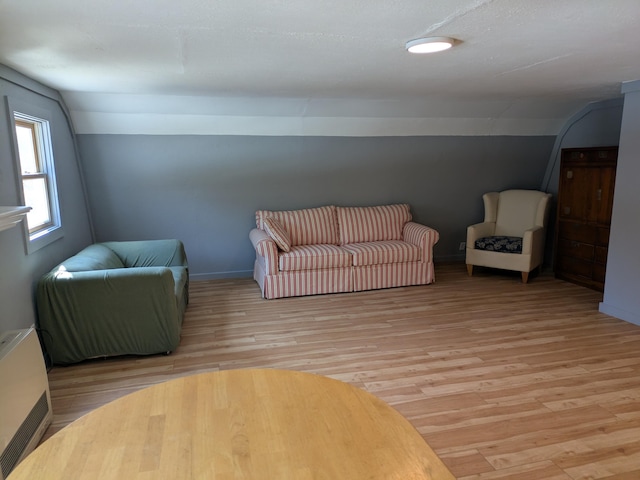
[[221, 275], [619, 313]]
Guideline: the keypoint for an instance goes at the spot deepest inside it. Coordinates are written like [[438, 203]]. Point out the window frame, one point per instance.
[[20, 112], [37, 135]]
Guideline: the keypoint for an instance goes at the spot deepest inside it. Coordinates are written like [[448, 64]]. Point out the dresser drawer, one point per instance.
[[573, 248], [603, 236], [592, 155], [578, 232], [600, 255], [575, 266]]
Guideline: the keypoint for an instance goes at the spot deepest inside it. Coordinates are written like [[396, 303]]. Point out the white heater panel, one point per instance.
[[25, 402]]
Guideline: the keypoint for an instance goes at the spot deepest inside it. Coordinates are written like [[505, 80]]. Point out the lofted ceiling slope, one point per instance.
[[516, 60]]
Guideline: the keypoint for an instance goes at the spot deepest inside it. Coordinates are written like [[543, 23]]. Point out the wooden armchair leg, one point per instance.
[[525, 277], [469, 269]]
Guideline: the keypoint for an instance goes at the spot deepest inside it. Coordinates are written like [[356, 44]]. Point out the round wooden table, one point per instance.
[[239, 424]]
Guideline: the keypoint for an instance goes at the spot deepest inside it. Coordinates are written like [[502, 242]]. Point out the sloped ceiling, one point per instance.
[[517, 62]]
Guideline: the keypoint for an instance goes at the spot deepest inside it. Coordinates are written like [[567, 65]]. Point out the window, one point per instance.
[[35, 179], [36, 174]]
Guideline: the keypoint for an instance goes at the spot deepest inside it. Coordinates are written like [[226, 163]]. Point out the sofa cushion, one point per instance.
[[149, 253], [278, 234], [372, 224], [501, 244], [314, 257], [94, 257], [377, 253], [309, 226]]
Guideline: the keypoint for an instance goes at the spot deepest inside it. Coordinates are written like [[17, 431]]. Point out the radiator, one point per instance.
[[25, 403]]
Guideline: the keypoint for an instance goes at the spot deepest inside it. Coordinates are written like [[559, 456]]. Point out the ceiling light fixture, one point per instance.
[[430, 44]]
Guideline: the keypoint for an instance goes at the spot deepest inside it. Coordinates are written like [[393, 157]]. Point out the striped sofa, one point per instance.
[[340, 249]]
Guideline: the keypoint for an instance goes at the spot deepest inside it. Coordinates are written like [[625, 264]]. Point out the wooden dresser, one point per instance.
[[585, 201]]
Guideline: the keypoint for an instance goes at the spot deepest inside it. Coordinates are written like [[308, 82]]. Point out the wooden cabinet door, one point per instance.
[[585, 202], [578, 186], [604, 195]]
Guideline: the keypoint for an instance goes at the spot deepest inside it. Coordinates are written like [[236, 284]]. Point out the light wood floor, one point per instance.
[[503, 380]]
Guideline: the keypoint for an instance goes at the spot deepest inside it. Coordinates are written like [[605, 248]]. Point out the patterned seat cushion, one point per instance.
[[377, 253], [314, 257], [500, 244]]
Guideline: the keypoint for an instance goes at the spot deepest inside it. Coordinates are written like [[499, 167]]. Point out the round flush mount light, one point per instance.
[[430, 44]]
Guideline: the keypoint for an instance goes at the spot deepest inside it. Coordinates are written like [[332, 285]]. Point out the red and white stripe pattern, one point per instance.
[[259, 272], [308, 282], [423, 237], [277, 233], [372, 224], [313, 257], [266, 251], [392, 251], [309, 226], [372, 277], [375, 253]]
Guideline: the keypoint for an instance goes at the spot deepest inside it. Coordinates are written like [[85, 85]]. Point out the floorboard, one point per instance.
[[503, 380]]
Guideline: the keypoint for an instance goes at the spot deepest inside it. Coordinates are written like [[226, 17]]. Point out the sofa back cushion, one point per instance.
[[372, 224], [150, 253], [94, 257], [311, 226], [520, 210]]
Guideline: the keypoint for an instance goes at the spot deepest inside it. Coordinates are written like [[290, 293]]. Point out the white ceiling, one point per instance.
[[520, 59]]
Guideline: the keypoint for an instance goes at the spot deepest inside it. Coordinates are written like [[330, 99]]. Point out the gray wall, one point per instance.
[[18, 271], [622, 284], [205, 189]]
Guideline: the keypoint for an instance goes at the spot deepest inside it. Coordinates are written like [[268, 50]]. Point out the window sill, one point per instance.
[[41, 239]]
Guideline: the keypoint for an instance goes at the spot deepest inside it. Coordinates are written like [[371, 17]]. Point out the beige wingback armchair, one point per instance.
[[513, 233]]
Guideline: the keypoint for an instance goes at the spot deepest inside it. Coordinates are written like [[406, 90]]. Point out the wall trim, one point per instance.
[[631, 86], [616, 312], [221, 275], [127, 123]]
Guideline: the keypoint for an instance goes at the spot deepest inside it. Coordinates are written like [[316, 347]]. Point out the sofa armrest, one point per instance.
[[265, 247], [108, 312], [479, 230], [421, 236], [532, 240]]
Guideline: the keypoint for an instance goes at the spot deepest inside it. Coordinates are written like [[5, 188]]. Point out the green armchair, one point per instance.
[[114, 298]]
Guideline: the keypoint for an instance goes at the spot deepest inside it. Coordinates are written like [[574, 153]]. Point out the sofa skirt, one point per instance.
[[305, 282], [373, 277], [342, 280]]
